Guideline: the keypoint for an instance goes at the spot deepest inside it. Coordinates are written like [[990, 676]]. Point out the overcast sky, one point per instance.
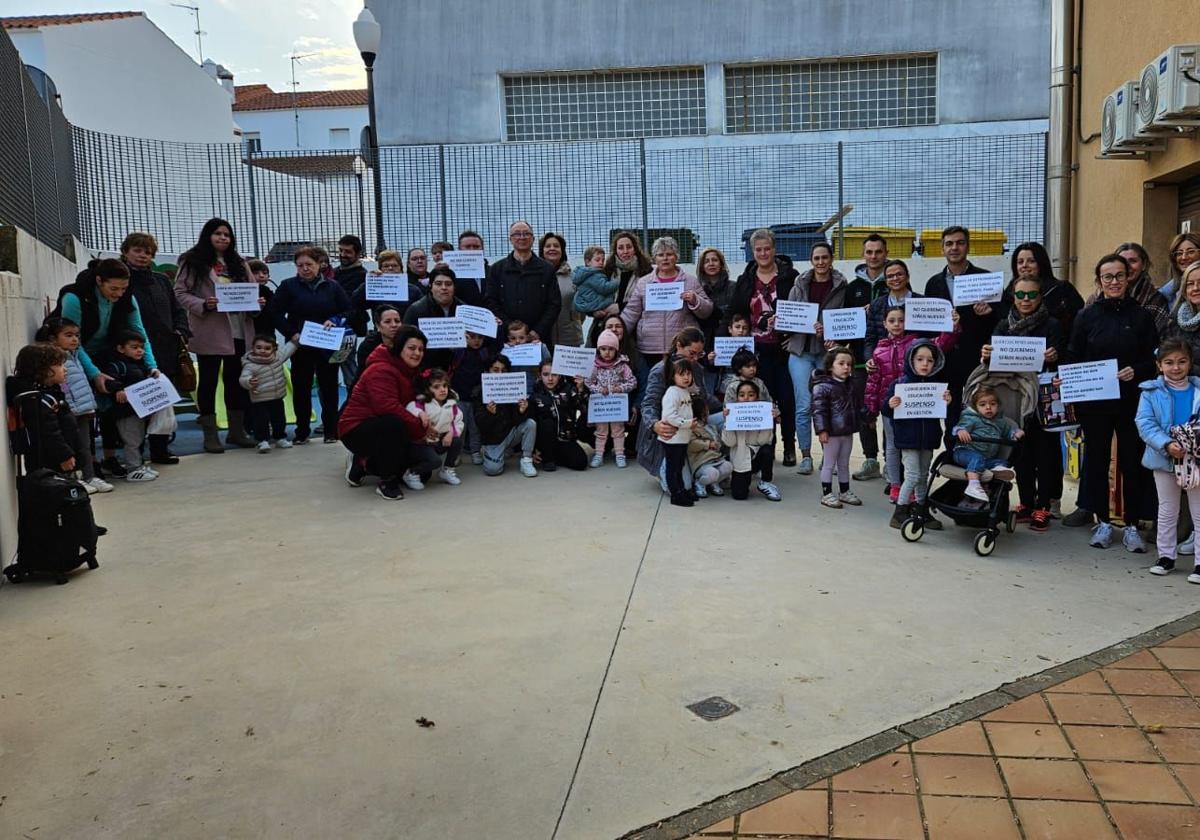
[[253, 38]]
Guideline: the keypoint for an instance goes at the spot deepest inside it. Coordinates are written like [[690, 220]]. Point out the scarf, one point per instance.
[[564, 270], [626, 265], [1187, 317], [1027, 325], [603, 365]]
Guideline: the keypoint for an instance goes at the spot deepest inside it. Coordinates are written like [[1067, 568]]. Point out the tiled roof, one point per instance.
[[307, 166], [38, 21], [262, 98]]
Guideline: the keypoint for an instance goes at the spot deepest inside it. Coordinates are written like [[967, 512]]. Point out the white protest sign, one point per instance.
[[1089, 381], [664, 297], [796, 316], [978, 288], [389, 287], [465, 264], [573, 361], [151, 395], [844, 324], [503, 388], [749, 416], [443, 333], [1021, 353], [477, 319], [315, 335], [928, 315], [919, 400], [523, 355], [611, 409], [237, 297], [726, 345]]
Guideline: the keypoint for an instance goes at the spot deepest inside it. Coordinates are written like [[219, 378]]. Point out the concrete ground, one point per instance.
[[253, 654]]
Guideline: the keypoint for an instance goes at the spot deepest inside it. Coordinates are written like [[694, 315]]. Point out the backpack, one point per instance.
[[19, 441]]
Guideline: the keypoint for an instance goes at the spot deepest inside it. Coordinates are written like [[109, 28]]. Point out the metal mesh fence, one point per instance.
[[705, 195], [37, 190]]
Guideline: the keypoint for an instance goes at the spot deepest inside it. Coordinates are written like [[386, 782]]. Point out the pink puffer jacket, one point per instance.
[[889, 364]]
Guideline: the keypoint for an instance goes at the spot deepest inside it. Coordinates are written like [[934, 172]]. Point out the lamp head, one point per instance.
[[367, 35]]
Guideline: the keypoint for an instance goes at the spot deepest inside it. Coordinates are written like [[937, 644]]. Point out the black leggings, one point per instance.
[[308, 362], [1138, 489], [1038, 462], [229, 370], [762, 463], [383, 442], [676, 458]]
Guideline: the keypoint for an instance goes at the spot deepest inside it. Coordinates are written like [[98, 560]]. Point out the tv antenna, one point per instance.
[[295, 58], [195, 10]]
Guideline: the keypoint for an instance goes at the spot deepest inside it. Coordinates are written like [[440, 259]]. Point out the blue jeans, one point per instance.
[[801, 369], [975, 461]]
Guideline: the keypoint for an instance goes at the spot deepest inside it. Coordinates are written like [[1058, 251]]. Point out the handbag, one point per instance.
[[185, 380], [1187, 468]]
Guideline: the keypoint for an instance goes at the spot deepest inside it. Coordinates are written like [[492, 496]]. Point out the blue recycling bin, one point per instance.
[[794, 241]]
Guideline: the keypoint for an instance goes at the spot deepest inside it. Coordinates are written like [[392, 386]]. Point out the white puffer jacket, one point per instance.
[[272, 383]]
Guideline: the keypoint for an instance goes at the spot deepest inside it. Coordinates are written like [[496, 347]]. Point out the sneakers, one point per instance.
[[1056, 508], [789, 454], [621, 462], [477, 458], [1188, 546], [713, 489], [389, 489], [100, 485], [527, 468], [264, 446], [1164, 566], [1024, 514], [1003, 473], [88, 487], [769, 490], [282, 443], [1040, 520], [849, 498], [1078, 518], [113, 467], [597, 459], [1194, 577], [894, 493], [330, 439], [1101, 535], [868, 471], [299, 441], [700, 491], [140, 474], [412, 481], [449, 475], [1133, 540], [806, 466], [975, 491], [830, 500], [549, 466], [356, 471]]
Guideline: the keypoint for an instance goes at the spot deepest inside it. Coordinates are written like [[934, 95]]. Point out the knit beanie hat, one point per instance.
[[608, 338]]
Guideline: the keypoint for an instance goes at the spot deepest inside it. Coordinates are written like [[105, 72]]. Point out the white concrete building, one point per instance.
[[102, 64], [280, 122]]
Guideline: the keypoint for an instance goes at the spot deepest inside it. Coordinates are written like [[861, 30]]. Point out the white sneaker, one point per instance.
[[1003, 473], [597, 459], [140, 474], [1194, 577], [1101, 535], [412, 481], [1188, 546], [620, 459], [700, 490], [89, 488], [449, 475], [283, 443], [714, 489], [1133, 540], [849, 498], [830, 500], [976, 491], [527, 468], [264, 446], [100, 484], [769, 490]]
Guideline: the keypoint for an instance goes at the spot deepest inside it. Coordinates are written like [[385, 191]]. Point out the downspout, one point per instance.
[[1059, 146]]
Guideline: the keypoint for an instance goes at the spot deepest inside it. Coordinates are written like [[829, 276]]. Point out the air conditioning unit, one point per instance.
[[1170, 91], [1118, 122]]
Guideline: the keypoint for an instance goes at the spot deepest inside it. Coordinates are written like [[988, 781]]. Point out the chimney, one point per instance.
[[225, 77]]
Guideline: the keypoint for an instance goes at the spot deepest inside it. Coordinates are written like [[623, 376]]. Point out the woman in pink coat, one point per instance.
[[219, 339], [656, 329]]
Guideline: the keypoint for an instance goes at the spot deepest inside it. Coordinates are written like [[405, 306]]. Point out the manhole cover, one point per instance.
[[712, 708]]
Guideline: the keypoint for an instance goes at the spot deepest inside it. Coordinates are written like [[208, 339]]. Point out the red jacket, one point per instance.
[[385, 387], [889, 358]]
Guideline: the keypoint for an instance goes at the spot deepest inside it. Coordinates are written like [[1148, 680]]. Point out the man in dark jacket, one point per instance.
[[350, 273], [468, 289], [523, 287], [977, 321]]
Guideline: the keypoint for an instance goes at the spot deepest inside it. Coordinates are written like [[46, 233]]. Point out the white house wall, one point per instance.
[[277, 129]]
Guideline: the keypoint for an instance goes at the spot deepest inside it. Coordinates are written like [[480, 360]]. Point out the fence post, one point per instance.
[[841, 203], [249, 161], [645, 195], [442, 189]]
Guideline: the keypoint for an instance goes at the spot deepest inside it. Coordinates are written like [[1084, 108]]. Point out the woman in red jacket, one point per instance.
[[374, 425]]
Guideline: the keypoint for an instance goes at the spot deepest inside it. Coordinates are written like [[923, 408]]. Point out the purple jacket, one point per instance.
[[212, 332]]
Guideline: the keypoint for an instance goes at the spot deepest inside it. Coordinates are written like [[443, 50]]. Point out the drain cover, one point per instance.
[[712, 708]]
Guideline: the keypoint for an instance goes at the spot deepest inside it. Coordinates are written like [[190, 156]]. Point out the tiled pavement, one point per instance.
[[1111, 753]]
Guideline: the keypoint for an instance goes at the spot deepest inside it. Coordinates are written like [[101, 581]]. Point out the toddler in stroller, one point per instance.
[[982, 432]]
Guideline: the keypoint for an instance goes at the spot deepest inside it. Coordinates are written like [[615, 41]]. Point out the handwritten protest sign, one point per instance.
[[978, 288], [465, 264], [1021, 353], [573, 361], [237, 297], [919, 400], [795, 316], [503, 388], [726, 345], [392, 287], [443, 333], [664, 297], [1090, 381], [523, 355], [613, 408], [315, 335], [151, 395], [477, 320], [749, 416], [844, 324], [928, 315]]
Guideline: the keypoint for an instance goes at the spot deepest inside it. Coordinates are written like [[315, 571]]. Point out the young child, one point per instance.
[[1166, 404], [677, 410], [983, 419], [557, 403], [503, 427], [595, 293], [263, 376], [739, 327], [467, 365], [126, 366], [436, 250], [263, 325], [518, 333], [446, 423], [743, 367], [885, 366], [64, 334], [51, 437], [837, 416], [751, 451], [708, 464], [916, 438], [611, 374]]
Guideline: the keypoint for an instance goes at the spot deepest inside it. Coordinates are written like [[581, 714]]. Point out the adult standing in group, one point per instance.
[[418, 268], [627, 261], [440, 302], [825, 286], [1061, 300], [1141, 286], [350, 272], [867, 284], [1117, 327], [375, 425], [165, 321], [1185, 317], [870, 270], [1185, 250], [766, 281], [713, 273], [898, 285], [568, 329], [387, 319], [523, 286], [468, 289], [388, 262], [219, 339], [308, 296], [655, 328], [975, 321]]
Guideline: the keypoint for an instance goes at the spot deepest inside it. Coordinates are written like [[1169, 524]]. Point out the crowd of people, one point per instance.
[[411, 413]]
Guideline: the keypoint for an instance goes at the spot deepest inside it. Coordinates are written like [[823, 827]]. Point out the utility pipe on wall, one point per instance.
[[1059, 146]]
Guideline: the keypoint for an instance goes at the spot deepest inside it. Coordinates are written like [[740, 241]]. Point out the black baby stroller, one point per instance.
[[1017, 393]]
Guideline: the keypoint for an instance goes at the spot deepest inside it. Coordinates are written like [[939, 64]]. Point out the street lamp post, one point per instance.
[[367, 36]]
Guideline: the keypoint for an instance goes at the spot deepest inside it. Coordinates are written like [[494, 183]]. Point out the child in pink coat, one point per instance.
[[611, 374]]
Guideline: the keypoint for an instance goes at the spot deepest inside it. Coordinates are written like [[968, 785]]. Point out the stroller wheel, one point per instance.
[[1010, 524], [14, 574], [985, 543], [912, 529]]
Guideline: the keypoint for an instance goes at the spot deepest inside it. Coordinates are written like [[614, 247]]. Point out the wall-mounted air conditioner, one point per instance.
[[1118, 123], [1169, 91]]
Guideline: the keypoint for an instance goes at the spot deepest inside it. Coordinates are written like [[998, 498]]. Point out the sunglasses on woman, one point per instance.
[[1030, 295]]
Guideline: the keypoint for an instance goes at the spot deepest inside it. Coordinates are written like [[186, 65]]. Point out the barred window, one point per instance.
[[831, 94], [605, 105]]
